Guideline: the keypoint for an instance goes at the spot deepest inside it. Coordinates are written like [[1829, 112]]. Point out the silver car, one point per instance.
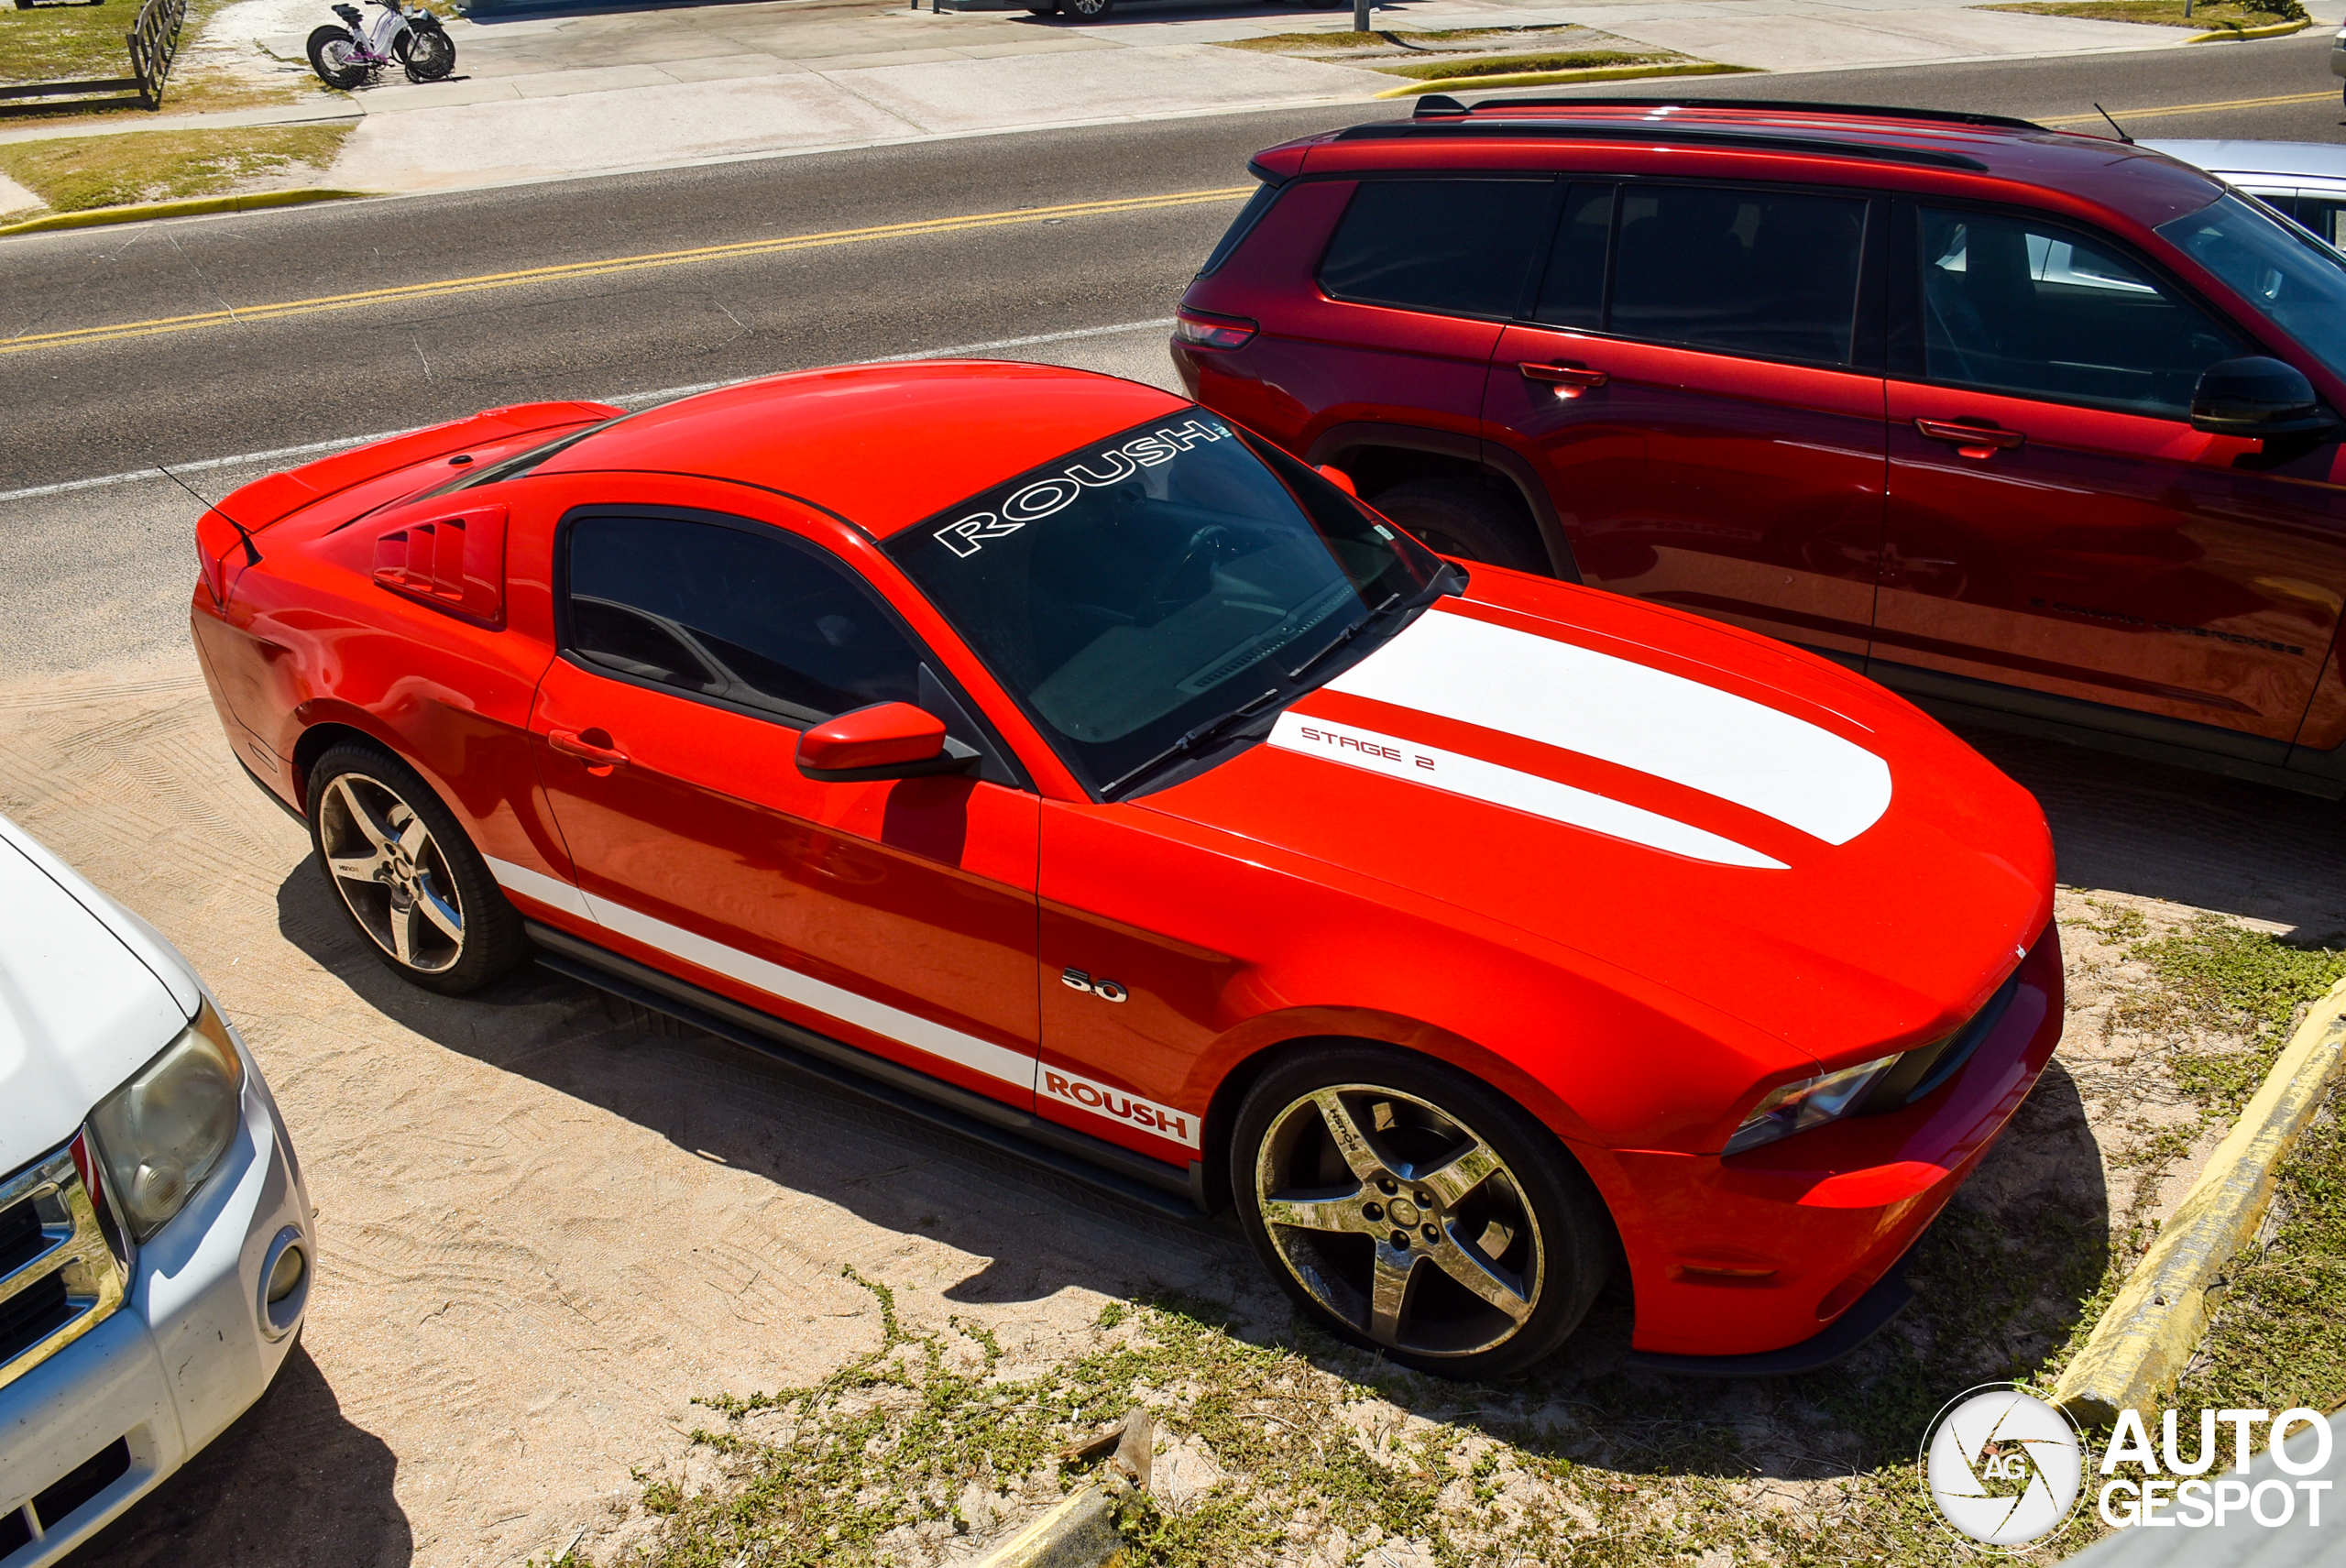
[[2303, 179]]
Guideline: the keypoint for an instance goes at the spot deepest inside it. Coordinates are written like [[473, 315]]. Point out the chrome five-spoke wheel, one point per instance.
[[392, 873], [1399, 1220]]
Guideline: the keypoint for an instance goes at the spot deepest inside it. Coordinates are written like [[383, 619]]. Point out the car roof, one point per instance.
[[1921, 148], [879, 446], [2309, 159]]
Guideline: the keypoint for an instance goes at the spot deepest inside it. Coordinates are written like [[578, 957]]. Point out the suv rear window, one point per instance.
[[1453, 246]]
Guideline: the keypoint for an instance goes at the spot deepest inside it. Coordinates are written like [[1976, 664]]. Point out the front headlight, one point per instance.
[[1796, 1107], [160, 1134]]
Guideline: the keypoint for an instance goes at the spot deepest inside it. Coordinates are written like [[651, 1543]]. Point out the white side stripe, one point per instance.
[[549, 891], [1580, 700], [891, 1023], [1478, 779]]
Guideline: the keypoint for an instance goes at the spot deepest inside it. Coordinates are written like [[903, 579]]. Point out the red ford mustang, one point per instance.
[[1068, 763]]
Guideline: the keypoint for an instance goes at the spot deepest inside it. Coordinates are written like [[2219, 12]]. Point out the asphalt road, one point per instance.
[[252, 375]]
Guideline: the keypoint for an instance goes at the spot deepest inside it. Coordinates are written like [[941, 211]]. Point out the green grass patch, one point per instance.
[[74, 174], [1516, 64], [1288, 43], [65, 43], [2164, 12], [2237, 983], [2278, 1338]]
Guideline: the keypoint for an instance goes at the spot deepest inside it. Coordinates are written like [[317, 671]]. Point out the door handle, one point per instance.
[[599, 760], [1981, 440], [1570, 377]]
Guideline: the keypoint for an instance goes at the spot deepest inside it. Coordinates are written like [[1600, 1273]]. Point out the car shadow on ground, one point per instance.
[[316, 1489], [2187, 836], [1999, 1275]]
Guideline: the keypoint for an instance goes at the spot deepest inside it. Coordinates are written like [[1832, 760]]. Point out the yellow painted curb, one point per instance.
[[2148, 1335], [1550, 78], [188, 208], [2278, 31], [1079, 1532]]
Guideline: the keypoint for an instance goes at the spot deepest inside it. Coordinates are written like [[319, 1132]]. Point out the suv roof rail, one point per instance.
[[1758, 139], [1443, 103]]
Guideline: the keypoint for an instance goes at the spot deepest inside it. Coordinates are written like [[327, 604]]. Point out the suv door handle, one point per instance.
[[1981, 440], [1569, 373], [599, 760]]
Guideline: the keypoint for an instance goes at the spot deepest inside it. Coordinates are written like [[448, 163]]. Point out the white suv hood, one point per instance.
[[89, 993]]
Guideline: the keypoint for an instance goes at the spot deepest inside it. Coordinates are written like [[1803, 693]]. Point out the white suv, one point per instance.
[[155, 1236]]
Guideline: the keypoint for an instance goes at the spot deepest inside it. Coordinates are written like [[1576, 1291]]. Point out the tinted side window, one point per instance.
[[749, 614], [1746, 272], [2013, 306], [1573, 291], [1458, 247]]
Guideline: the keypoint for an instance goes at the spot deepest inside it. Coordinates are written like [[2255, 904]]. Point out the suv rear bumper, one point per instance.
[[1768, 1250]]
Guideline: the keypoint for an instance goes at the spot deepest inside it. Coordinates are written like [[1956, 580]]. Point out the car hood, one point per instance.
[[84, 1001], [1746, 823]]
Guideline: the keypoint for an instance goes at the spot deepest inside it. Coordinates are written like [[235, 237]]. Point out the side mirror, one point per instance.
[[2256, 396], [1341, 479], [886, 741]]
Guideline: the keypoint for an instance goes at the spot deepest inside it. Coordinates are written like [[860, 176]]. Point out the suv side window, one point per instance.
[[1452, 247], [747, 615], [1761, 272], [2035, 309]]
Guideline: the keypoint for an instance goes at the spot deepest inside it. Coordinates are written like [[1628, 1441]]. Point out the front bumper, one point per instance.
[[1766, 1250], [96, 1426]]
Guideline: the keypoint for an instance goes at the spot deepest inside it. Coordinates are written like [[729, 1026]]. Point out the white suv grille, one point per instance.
[[59, 1277]]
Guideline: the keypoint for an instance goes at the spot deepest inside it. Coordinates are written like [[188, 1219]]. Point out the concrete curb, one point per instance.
[[1552, 78], [1079, 1532], [188, 208], [2148, 1335], [2278, 31]]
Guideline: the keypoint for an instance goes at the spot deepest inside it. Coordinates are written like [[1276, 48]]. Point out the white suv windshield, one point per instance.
[[2293, 280], [1153, 597]]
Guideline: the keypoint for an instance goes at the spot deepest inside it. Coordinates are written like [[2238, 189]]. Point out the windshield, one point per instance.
[[1149, 598], [2292, 279]]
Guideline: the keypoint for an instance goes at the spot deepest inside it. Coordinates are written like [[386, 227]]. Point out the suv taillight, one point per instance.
[[1202, 330]]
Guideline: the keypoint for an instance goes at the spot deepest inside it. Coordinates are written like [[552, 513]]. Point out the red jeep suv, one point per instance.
[[2034, 427]]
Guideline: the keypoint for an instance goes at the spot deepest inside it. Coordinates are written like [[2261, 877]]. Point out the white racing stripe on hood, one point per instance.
[[1488, 782], [1580, 700]]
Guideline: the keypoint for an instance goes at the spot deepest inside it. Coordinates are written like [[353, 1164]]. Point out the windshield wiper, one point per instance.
[[1347, 634], [1212, 729]]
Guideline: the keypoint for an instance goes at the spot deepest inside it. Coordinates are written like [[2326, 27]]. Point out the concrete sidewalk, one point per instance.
[[552, 93]]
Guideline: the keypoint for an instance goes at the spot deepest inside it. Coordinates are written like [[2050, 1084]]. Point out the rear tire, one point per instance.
[[1459, 517], [430, 56], [1456, 1236], [329, 52], [1086, 10], [406, 875]]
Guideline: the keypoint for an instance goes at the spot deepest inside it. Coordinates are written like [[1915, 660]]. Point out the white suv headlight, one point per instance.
[[160, 1134], [1798, 1106]]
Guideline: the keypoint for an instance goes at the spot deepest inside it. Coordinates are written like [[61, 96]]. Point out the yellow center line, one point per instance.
[[2125, 115], [241, 315]]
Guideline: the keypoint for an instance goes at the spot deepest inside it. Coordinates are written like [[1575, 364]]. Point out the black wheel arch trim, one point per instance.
[[1338, 439]]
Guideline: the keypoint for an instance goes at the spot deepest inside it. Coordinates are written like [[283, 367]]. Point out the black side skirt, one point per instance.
[[1151, 1184]]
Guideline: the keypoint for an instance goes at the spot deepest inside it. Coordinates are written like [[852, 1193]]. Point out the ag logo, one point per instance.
[[2003, 1466]]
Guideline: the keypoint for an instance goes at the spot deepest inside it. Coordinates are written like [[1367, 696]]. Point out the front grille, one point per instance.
[[59, 1277]]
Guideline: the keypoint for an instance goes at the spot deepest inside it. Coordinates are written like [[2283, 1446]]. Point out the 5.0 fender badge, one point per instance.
[[1106, 989]]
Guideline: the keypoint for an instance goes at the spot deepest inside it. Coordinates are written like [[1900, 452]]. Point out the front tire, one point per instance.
[[1459, 517], [329, 52], [406, 876], [1415, 1211], [1086, 10]]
